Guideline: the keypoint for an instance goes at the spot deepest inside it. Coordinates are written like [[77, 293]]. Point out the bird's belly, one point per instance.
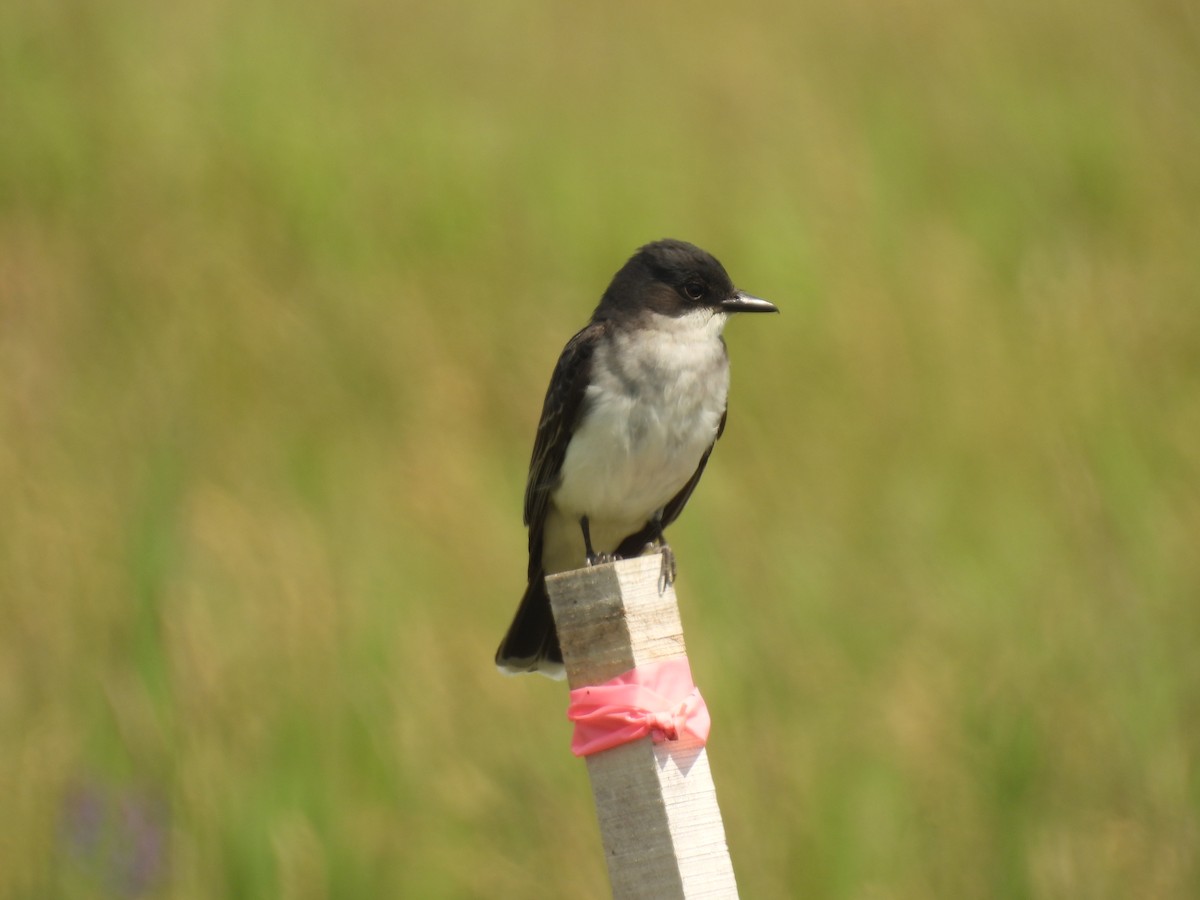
[[632, 454]]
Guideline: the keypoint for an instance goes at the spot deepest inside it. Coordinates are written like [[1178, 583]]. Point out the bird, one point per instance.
[[636, 403]]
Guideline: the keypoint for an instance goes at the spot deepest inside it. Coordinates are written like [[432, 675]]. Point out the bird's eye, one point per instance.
[[694, 290]]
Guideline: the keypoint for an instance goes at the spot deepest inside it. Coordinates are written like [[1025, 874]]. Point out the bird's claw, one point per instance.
[[599, 559], [666, 575]]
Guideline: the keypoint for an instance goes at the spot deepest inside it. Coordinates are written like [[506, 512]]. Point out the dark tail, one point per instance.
[[531, 644]]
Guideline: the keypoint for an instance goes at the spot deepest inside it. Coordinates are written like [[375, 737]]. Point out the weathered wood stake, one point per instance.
[[659, 819]]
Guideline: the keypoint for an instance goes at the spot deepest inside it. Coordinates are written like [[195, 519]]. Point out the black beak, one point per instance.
[[742, 302]]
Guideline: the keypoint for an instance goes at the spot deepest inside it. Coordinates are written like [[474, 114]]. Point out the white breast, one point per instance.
[[654, 409]]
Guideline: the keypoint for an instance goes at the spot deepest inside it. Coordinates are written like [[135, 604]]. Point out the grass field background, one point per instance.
[[281, 285]]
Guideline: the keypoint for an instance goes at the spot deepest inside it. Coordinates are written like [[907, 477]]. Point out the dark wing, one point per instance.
[[561, 412], [632, 545]]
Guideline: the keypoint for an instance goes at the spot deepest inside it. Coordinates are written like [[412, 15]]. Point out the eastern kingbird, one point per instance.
[[634, 407]]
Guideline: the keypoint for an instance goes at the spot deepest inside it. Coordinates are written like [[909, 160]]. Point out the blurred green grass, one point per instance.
[[280, 288]]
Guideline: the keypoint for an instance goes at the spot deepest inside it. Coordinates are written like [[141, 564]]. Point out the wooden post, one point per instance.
[[659, 819]]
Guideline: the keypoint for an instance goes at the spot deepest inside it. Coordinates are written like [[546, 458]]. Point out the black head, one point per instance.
[[675, 278]]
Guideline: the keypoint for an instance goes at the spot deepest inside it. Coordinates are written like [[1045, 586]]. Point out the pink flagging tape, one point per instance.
[[657, 699]]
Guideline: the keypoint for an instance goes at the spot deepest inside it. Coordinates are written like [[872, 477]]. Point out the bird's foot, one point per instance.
[[591, 556], [666, 575]]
